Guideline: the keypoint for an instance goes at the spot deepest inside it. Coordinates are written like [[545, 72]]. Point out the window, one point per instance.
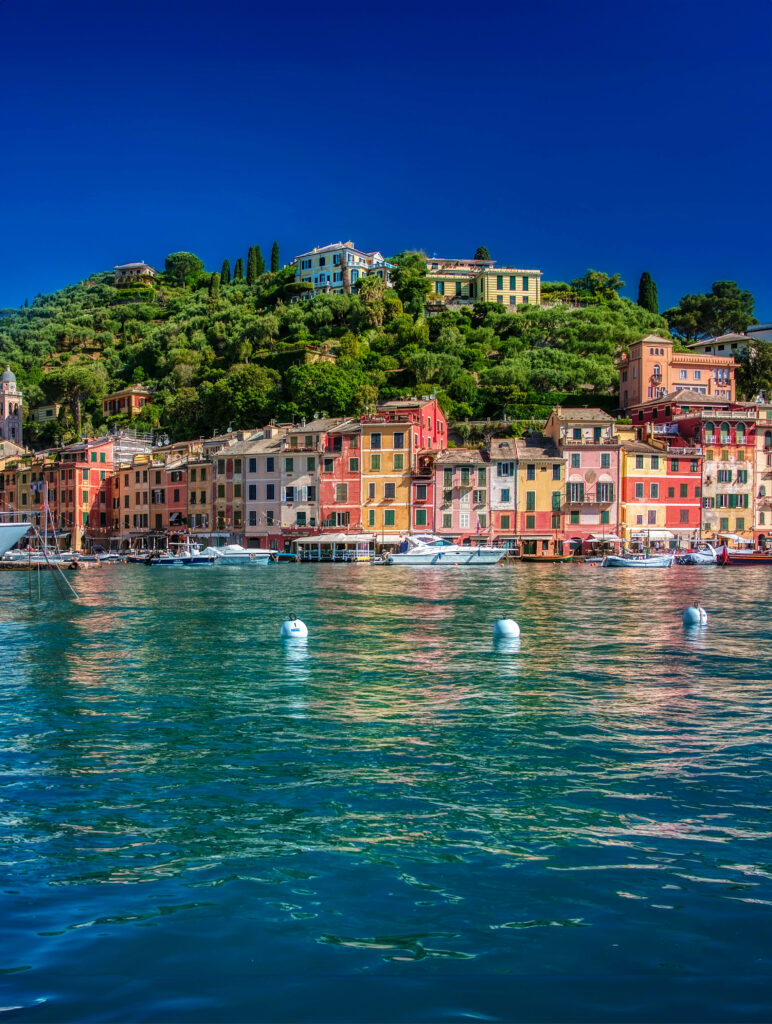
[[220, 491], [375, 463], [505, 521], [576, 433], [463, 520], [420, 492], [654, 489], [596, 435], [530, 472], [389, 491], [605, 493], [499, 282], [310, 464], [574, 518], [556, 500], [639, 462], [447, 521], [576, 460], [328, 465], [388, 517], [482, 476], [93, 456], [270, 466], [605, 517], [724, 523], [530, 500], [399, 440], [530, 522], [439, 287], [724, 433], [311, 493], [605, 460], [684, 513], [525, 284], [556, 471], [682, 374], [375, 442], [447, 477], [420, 517], [371, 492], [353, 465], [739, 523], [289, 465], [289, 494], [371, 517], [742, 476], [341, 492], [674, 465], [697, 374], [684, 491], [399, 462], [237, 490], [300, 519], [639, 490], [505, 494], [724, 476], [651, 517], [270, 492], [576, 493]]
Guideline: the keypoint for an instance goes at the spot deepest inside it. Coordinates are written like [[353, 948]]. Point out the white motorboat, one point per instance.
[[10, 533], [630, 561], [185, 555], [702, 556], [428, 549], [235, 554]]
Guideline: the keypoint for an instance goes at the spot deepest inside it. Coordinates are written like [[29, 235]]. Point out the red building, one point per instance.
[[340, 478], [652, 369], [127, 401]]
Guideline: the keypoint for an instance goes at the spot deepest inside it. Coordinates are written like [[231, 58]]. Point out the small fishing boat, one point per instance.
[[729, 556], [548, 558], [426, 549], [702, 556], [630, 561]]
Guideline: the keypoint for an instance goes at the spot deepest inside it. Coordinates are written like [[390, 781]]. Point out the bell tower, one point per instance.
[[10, 408]]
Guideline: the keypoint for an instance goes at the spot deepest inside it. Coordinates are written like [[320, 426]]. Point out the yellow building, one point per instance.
[[643, 487], [386, 462], [468, 281], [539, 496]]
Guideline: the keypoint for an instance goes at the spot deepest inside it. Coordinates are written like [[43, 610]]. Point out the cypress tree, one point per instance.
[[252, 265], [214, 288], [647, 293], [260, 262], [238, 270], [275, 257], [225, 273]]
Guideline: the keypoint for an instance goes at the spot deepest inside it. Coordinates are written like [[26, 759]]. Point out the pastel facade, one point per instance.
[[337, 268], [587, 440], [661, 492], [340, 483], [11, 403], [503, 490], [540, 496], [482, 281], [462, 479], [127, 402], [762, 525], [651, 369]]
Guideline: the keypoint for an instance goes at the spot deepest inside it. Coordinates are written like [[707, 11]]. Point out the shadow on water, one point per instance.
[[400, 818]]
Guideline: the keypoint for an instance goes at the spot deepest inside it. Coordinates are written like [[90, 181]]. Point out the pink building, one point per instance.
[[587, 441], [461, 481]]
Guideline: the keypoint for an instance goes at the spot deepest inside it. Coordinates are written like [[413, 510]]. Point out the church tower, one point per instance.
[[10, 408]]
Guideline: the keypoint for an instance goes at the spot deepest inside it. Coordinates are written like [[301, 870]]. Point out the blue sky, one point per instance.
[[623, 137]]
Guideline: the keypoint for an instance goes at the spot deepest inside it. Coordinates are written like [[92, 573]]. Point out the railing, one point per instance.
[[682, 451]]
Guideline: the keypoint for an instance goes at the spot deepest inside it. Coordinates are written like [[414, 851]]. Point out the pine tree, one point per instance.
[[482, 253], [275, 258], [214, 288], [225, 273], [647, 293], [238, 270], [260, 262], [252, 265]]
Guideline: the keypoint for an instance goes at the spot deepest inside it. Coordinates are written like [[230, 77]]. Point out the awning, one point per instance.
[[536, 536], [611, 537], [737, 539], [335, 538], [654, 534]]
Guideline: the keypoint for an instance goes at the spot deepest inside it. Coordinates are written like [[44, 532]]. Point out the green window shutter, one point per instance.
[[530, 501], [556, 500]]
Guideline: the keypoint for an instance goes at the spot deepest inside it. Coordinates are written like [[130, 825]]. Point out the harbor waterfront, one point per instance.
[[399, 820]]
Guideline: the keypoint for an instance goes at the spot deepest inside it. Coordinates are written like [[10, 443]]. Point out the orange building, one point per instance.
[[652, 369], [127, 401]]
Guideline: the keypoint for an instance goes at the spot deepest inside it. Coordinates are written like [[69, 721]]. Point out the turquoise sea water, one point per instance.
[[399, 821]]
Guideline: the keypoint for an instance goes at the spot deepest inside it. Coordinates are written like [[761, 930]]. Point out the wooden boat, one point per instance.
[[728, 556], [628, 561], [547, 558]]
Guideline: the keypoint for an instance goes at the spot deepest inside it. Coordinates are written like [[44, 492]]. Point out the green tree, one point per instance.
[[255, 264], [599, 285], [214, 289], [754, 371], [183, 268], [245, 397], [238, 270], [275, 258], [647, 293], [76, 384], [726, 307], [481, 253], [410, 281], [225, 273]]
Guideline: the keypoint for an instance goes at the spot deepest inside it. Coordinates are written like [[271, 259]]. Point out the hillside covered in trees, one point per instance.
[[233, 351]]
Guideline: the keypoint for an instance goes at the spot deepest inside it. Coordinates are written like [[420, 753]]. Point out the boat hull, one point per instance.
[[652, 562], [727, 557], [247, 558], [448, 559]]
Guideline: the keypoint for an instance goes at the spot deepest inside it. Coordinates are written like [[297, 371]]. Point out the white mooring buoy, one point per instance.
[[293, 629], [506, 627], [695, 615]]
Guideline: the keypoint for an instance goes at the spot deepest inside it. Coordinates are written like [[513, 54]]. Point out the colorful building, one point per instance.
[[540, 496], [461, 486], [762, 525], [482, 281], [127, 402], [653, 370], [587, 441], [340, 482], [11, 404], [337, 267], [503, 490]]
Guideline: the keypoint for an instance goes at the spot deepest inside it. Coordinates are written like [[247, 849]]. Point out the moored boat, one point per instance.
[[702, 556], [427, 549], [235, 554], [630, 561], [729, 556], [10, 533]]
